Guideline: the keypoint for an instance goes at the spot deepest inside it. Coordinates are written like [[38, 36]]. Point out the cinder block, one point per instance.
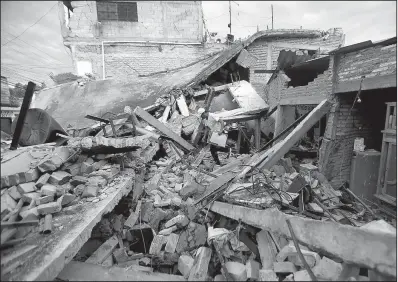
[[13, 192], [42, 180], [77, 180], [90, 191], [26, 188], [49, 208], [44, 200], [48, 190], [29, 197], [59, 178]]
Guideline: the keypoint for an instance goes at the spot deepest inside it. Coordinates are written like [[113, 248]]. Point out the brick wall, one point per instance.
[[374, 61], [179, 21], [321, 87], [5, 92], [259, 48], [123, 60]]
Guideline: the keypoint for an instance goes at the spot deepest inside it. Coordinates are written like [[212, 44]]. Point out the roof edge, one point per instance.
[[363, 45]]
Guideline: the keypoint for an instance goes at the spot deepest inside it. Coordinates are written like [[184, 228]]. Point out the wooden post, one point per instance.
[[258, 133], [22, 115]]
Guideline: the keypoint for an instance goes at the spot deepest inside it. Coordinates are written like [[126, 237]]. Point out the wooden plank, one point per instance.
[[200, 156], [162, 128], [257, 133], [271, 156], [246, 96], [304, 100], [80, 271], [55, 250], [182, 105], [377, 82], [356, 245], [104, 251], [132, 219], [22, 115], [216, 89]]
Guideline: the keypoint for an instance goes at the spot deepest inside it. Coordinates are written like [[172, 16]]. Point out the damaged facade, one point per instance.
[[8, 112], [158, 178], [115, 39]]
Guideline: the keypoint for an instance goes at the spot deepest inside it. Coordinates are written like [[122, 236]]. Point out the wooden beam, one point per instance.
[[305, 100], [81, 271], [367, 248], [377, 82], [271, 156], [163, 128], [22, 115]]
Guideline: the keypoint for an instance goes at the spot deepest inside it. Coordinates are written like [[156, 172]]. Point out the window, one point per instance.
[[117, 11]]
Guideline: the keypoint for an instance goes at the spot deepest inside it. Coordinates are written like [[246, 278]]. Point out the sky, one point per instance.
[[32, 47]]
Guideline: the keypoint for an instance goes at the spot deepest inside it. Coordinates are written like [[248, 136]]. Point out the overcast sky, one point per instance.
[[39, 50]]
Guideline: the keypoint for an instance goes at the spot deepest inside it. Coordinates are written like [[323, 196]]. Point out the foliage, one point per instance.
[[18, 92]]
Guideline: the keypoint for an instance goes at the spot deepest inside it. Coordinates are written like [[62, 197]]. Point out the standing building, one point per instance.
[[112, 39]]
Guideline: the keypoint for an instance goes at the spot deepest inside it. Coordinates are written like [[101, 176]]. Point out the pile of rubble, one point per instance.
[[185, 215]]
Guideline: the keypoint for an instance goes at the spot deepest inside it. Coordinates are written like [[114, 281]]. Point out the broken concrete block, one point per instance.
[[297, 184], [284, 267], [66, 199], [55, 160], [290, 277], [86, 168], [29, 197], [77, 180], [220, 277], [327, 269], [348, 271], [171, 244], [49, 208], [379, 226], [314, 207], [236, 270], [190, 189], [178, 187], [99, 164], [289, 251], [44, 200], [302, 275], [176, 201], [185, 264], [97, 181], [306, 168], [90, 191], [278, 170], [7, 204], [268, 275], [180, 220], [79, 189], [157, 244], [168, 231], [13, 192], [252, 269], [29, 213], [201, 264], [48, 190], [74, 169], [157, 216], [120, 255], [266, 248], [26, 188], [42, 180], [193, 236], [59, 178]]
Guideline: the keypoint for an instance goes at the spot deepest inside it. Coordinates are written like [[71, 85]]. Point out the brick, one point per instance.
[[327, 269], [284, 267], [13, 192], [236, 270], [86, 168], [48, 190], [26, 188], [67, 199], [59, 178], [42, 180], [185, 264], [55, 160], [171, 244], [269, 275], [77, 180], [90, 191], [44, 200], [29, 197], [74, 169], [29, 213], [7, 204], [49, 208]]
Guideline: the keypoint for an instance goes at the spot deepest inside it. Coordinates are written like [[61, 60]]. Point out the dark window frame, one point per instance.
[[117, 11]]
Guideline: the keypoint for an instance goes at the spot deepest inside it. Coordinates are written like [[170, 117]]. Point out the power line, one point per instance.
[[33, 46], [31, 73], [23, 77], [30, 26]]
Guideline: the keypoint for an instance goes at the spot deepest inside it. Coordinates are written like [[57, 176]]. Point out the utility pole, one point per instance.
[[230, 24], [272, 15]]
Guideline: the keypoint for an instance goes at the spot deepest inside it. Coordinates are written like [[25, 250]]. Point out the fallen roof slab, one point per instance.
[[57, 249], [367, 248]]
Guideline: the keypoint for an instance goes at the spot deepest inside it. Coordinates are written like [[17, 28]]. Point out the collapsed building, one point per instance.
[[144, 181]]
